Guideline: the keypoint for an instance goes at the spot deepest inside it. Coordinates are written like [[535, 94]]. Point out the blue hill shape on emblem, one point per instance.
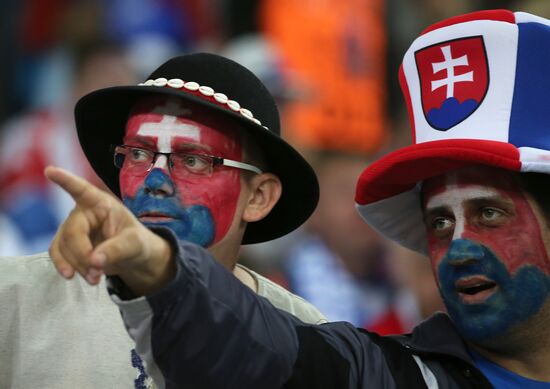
[[450, 113]]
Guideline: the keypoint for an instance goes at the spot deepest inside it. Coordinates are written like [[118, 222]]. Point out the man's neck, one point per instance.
[[227, 254]]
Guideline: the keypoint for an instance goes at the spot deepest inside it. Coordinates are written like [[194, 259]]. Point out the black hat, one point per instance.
[[221, 87]]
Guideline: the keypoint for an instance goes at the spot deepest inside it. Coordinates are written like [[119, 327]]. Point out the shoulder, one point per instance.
[[25, 264], [285, 300], [35, 278], [27, 278]]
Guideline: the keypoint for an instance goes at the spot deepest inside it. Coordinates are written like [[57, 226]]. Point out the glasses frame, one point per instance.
[[216, 161]]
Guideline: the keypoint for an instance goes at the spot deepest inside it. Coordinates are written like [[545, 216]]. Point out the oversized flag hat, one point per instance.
[[477, 90]]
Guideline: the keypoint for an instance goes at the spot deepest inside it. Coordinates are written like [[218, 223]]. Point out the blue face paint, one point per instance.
[[517, 298], [192, 223]]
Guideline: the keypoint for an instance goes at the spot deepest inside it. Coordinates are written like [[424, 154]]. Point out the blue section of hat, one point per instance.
[[530, 115]]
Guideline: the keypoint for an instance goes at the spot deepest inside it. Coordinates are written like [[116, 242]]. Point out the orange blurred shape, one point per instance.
[[334, 51]]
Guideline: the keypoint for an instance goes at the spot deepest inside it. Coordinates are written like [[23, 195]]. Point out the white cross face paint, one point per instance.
[[166, 130], [454, 198], [169, 127]]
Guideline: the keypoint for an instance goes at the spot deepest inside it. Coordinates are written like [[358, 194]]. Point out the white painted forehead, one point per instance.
[[169, 127], [454, 194]]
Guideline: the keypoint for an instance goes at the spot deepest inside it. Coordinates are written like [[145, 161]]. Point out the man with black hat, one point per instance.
[[194, 150], [471, 192]]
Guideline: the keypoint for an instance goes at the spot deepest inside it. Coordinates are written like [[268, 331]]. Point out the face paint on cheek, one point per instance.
[[157, 205], [129, 184], [221, 203], [220, 192], [516, 300], [432, 191], [517, 243]]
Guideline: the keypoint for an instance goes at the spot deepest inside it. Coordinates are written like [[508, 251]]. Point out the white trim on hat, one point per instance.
[[534, 160], [207, 91], [524, 17]]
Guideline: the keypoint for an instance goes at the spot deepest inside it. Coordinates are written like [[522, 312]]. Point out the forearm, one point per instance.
[[207, 329]]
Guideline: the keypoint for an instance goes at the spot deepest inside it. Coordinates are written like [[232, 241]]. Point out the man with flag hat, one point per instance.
[[194, 151], [471, 192]]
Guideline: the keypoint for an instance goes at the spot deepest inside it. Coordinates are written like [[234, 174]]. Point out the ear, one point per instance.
[[265, 191]]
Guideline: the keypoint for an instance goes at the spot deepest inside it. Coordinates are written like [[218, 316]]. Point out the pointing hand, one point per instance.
[[102, 236]]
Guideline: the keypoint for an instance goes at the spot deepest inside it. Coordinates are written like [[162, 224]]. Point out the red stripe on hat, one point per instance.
[[407, 95], [402, 169], [501, 15]]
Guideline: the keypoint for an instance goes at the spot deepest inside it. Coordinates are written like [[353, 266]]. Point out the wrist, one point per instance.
[[157, 271]]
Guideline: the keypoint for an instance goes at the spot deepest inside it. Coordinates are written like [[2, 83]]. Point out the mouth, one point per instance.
[[475, 289], [155, 217]]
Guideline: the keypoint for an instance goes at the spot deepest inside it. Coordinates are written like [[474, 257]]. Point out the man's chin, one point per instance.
[[183, 231], [480, 322]]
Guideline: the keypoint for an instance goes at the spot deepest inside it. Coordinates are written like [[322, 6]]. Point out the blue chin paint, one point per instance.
[[193, 223], [517, 298]]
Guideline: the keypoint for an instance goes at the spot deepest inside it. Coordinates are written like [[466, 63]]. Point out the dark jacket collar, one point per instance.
[[437, 334]]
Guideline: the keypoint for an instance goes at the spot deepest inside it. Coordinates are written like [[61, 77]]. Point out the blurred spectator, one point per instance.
[[45, 136], [10, 241], [151, 30], [339, 263], [412, 274]]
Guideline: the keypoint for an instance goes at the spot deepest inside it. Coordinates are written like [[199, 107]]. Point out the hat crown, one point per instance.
[[480, 76], [224, 76]]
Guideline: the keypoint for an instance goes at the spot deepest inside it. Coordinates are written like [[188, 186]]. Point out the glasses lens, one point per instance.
[[132, 159], [182, 164], [119, 159]]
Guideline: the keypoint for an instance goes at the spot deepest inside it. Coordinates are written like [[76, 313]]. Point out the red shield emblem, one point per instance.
[[454, 78]]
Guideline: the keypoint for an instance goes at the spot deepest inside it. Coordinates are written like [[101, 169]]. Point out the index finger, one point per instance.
[[83, 193]]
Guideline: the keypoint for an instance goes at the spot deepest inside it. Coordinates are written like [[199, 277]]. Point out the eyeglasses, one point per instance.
[[139, 162]]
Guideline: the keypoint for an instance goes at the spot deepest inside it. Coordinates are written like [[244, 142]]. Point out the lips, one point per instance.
[[475, 289], [155, 217]]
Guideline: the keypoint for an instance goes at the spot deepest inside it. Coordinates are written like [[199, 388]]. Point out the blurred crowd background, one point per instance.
[[332, 66]]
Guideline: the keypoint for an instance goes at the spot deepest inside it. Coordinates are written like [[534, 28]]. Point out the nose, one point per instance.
[[158, 184], [463, 252]]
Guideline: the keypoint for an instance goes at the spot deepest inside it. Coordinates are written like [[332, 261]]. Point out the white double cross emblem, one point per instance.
[[449, 65]]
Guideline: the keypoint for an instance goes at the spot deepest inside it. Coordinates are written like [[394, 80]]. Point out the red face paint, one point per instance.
[[487, 206], [165, 126]]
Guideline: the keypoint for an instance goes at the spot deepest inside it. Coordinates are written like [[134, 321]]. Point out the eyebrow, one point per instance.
[[180, 147], [438, 210], [186, 147], [480, 201], [140, 141], [475, 201]]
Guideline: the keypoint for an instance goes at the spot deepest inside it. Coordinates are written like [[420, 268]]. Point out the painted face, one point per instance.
[[487, 249], [197, 208]]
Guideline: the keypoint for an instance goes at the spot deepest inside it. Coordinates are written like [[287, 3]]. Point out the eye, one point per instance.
[[193, 163], [491, 214], [139, 155], [441, 223]]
